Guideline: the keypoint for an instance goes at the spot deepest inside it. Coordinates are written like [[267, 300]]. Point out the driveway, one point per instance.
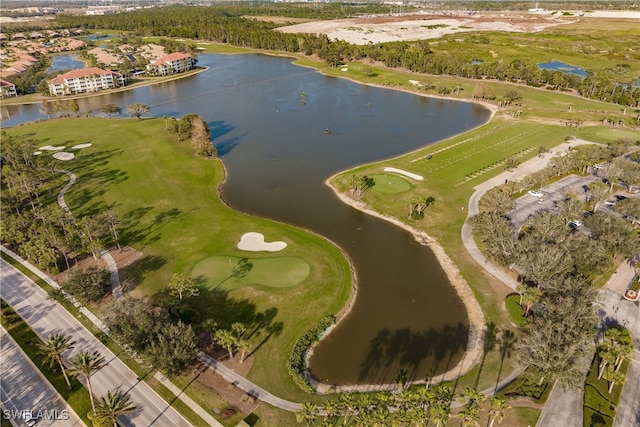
[[24, 388], [45, 317]]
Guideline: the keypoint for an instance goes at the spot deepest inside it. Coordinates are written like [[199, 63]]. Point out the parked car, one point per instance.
[[537, 194], [610, 203], [620, 197], [575, 223]]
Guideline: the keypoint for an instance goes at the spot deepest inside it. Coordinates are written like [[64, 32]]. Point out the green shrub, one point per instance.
[[516, 313], [297, 367]]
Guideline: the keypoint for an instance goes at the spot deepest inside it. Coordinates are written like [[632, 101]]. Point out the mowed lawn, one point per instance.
[[168, 202]]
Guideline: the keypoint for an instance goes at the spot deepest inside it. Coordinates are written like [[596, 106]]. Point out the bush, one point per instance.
[[516, 313], [297, 366]]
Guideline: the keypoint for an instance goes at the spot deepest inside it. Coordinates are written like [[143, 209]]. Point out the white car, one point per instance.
[[575, 223], [610, 203], [537, 194]]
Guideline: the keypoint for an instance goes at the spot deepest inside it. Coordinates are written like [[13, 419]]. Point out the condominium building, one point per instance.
[[8, 89], [172, 63], [85, 80]]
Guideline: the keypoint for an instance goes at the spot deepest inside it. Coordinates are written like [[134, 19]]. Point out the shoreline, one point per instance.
[[473, 353], [125, 88]]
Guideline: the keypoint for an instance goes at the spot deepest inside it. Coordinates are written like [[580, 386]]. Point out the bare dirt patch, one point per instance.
[[123, 257], [381, 29], [227, 392]]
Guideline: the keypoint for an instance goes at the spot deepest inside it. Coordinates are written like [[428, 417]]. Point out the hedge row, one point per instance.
[[297, 366]]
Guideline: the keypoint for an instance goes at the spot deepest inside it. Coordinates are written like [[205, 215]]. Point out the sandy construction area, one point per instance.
[[381, 29]]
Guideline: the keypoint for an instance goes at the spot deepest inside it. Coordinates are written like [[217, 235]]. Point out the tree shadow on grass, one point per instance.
[[403, 348], [225, 310], [135, 273]]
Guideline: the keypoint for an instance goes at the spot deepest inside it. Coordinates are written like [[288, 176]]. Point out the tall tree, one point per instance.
[[561, 333], [111, 109], [497, 409], [181, 286], [138, 109], [112, 405], [86, 363], [307, 414], [53, 348]]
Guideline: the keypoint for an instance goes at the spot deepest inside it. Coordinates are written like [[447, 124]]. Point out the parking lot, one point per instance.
[[528, 205]]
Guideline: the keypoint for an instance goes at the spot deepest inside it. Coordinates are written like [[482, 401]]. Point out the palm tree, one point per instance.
[[114, 404], [348, 405], [497, 409], [469, 415], [440, 413], [331, 408], [85, 364], [402, 377], [307, 414], [52, 349]]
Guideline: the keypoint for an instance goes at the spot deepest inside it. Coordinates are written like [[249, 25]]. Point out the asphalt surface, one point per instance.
[[24, 388], [45, 317]]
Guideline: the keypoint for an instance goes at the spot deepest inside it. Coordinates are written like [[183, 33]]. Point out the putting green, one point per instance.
[[390, 183], [278, 272], [611, 134]]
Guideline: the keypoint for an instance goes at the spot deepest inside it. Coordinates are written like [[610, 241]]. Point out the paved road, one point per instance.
[[628, 413], [46, 317], [24, 388]]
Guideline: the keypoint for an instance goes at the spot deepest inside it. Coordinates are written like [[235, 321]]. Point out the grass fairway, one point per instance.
[[170, 209], [278, 272], [389, 183]]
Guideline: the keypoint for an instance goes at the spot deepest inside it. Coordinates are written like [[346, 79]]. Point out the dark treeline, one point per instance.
[[232, 26]]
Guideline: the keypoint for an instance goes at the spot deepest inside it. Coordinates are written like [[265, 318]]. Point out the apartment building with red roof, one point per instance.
[[85, 80], [172, 63], [7, 89]]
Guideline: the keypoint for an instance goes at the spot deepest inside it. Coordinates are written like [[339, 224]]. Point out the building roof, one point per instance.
[[165, 59], [5, 83], [78, 74]]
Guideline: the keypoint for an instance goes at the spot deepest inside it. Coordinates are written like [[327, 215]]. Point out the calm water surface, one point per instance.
[[277, 157], [65, 62]]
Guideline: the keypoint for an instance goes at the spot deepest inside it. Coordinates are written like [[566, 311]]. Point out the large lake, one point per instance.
[[277, 156]]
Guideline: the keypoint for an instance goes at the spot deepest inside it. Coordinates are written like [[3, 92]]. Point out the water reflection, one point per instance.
[[277, 157]]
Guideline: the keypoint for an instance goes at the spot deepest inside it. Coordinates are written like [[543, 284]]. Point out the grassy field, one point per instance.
[[170, 209]]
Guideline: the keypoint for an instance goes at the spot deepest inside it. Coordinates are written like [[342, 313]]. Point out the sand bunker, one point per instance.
[[51, 148], [76, 147], [405, 173], [62, 155], [254, 242], [37, 153]]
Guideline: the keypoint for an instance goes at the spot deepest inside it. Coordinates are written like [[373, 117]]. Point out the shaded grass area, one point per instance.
[[600, 405], [77, 397], [219, 272], [170, 209]]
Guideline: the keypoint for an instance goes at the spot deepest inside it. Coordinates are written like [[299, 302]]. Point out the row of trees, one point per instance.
[[417, 407], [32, 225], [226, 25], [612, 351], [85, 363]]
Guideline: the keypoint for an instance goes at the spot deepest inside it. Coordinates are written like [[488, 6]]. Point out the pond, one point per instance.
[[565, 68], [277, 156], [65, 62]]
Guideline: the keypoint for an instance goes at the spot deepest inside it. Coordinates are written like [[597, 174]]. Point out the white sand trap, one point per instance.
[[405, 173], [77, 147], [62, 155], [51, 148], [37, 153], [254, 242]]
